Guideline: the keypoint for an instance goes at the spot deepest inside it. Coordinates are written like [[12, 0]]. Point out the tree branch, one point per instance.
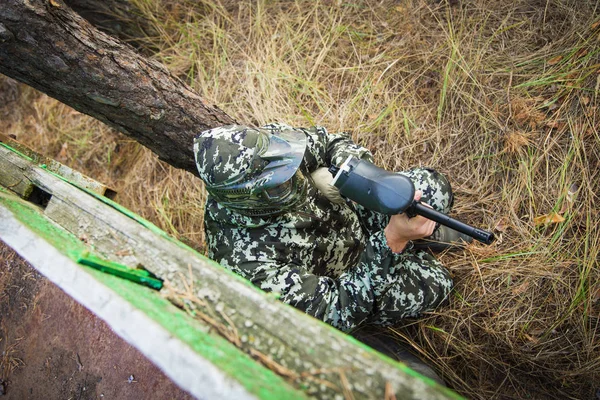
[[48, 46]]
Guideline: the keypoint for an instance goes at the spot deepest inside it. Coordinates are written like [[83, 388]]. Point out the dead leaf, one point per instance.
[[552, 218], [62, 154], [531, 338], [582, 52], [54, 3], [521, 288], [555, 60], [555, 124], [591, 111], [569, 199], [501, 225], [564, 208], [585, 100], [573, 75], [595, 25]]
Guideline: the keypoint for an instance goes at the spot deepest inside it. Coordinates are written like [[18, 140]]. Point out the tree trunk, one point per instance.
[[48, 46]]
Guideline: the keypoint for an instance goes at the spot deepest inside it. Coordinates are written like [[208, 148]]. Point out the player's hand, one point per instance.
[[401, 228]]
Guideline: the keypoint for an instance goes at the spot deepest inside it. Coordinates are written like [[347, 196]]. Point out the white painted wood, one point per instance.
[[182, 364], [290, 338]]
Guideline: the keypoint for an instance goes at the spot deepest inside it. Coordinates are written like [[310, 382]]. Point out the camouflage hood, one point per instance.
[[252, 170]]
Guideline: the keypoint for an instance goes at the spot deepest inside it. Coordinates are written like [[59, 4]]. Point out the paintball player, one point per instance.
[[272, 217]]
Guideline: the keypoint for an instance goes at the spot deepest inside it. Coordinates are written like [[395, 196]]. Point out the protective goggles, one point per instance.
[[273, 181]]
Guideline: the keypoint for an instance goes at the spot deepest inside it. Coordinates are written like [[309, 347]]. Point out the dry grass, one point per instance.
[[501, 96], [8, 362], [10, 347]]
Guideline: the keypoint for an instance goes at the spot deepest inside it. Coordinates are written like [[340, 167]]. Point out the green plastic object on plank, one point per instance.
[[140, 276]]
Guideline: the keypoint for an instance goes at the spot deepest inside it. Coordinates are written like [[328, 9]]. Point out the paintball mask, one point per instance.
[[254, 171]]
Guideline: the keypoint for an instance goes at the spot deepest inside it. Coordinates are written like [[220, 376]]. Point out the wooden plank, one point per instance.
[[309, 353], [198, 360], [60, 169], [14, 179]]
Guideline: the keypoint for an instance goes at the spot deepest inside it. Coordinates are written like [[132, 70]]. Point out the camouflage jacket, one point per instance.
[[323, 258]]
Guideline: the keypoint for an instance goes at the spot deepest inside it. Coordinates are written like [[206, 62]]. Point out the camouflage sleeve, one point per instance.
[[324, 148], [343, 302]]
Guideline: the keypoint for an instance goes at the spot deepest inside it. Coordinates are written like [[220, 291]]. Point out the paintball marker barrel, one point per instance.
[[392, 193], [479, 234]]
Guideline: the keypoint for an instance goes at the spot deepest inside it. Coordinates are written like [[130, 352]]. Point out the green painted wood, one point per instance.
[[309, 354], [54, 166], [236, 366]]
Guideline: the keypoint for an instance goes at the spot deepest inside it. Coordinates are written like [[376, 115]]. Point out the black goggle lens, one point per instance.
[[279, 191]]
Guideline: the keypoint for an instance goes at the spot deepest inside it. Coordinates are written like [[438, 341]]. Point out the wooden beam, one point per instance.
[[199, 361], [54, 166]]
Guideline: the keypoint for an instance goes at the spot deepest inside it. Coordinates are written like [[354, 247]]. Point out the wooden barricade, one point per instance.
[[209, 330]]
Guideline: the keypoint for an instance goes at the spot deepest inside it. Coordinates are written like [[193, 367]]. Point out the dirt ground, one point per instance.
[[54, 348]]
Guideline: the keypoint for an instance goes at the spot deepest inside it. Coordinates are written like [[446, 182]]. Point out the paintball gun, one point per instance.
[[391, 193]]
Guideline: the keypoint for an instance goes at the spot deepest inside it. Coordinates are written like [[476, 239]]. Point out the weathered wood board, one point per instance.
[[54, 166], [200, 362], [310, 355]]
